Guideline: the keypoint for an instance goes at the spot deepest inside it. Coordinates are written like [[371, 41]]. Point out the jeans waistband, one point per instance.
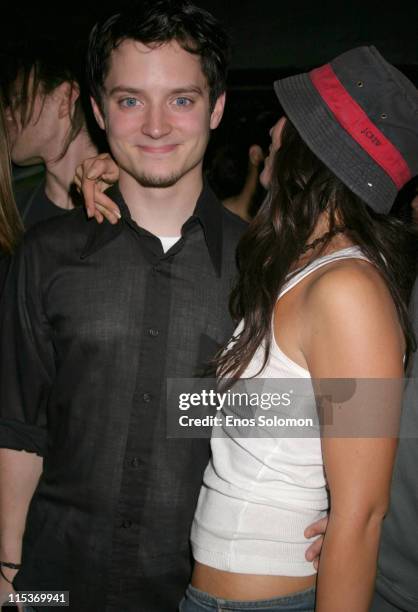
[[292, 601]]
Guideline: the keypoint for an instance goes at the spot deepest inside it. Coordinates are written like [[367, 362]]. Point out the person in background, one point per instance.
[[396, 584], [11, 231], [48, 123], [233, 174]]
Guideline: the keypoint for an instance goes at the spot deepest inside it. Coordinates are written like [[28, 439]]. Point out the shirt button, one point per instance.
[[153, 332], [126, 524], [135, 462], [147, 397]]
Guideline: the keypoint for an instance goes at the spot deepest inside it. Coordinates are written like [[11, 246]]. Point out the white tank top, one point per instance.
[[259, 493]]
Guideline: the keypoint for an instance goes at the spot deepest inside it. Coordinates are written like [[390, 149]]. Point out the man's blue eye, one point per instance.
[[129, 102], [183, 101]]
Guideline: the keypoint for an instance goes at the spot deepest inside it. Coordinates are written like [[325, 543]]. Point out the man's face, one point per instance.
[[156, 112], [29, 143], [276, 141]]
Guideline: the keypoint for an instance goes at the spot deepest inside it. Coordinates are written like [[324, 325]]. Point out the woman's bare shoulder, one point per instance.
[[348, 284], [351, 324]]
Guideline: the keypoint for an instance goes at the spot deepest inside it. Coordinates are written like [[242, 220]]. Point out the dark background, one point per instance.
[[271, 39], [267, 34]]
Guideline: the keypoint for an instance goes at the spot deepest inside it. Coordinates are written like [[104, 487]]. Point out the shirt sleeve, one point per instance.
[[27, 365]]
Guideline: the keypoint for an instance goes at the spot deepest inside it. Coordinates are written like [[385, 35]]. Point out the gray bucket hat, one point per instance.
[[359, 115]]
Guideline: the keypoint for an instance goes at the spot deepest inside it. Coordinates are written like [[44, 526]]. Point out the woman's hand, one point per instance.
[[93, 176], [318, 528]]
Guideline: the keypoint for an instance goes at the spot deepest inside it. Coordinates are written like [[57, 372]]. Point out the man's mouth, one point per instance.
[[157, 150]]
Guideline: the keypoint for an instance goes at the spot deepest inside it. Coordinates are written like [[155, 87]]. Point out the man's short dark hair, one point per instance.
[[159, 22]]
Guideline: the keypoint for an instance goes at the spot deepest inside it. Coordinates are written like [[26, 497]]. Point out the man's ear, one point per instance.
[[67, 95], [98, 113], [218, 111]]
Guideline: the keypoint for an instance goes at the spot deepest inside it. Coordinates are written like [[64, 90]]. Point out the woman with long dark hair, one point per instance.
[[325, 277]]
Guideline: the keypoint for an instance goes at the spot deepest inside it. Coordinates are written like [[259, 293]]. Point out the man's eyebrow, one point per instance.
[[187, 89], [134, 90]]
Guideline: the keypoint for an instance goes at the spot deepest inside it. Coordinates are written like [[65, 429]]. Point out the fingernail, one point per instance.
[[117, 213], [92, 174]]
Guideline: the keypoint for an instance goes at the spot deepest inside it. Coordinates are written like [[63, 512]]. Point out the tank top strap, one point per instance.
[[353, 252]]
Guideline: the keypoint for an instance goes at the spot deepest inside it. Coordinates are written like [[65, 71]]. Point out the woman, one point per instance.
[[324, 281], [10, 224]]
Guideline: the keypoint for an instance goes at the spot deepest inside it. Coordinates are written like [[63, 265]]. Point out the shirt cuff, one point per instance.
[[22, 436]]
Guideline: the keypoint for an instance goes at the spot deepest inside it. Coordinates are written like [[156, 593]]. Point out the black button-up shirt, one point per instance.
[[95, 318]]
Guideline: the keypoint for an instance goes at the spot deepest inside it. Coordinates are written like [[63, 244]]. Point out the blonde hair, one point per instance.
[[11, 227]]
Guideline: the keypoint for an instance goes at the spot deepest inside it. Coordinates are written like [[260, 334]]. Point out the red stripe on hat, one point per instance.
[[354, 120]]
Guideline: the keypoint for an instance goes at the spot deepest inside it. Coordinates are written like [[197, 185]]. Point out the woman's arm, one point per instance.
[[352, 331]]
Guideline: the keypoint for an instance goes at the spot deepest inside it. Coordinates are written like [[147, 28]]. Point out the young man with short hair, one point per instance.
[[100, 316]]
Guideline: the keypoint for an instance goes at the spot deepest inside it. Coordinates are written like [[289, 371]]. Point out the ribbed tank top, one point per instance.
[[259, 493]]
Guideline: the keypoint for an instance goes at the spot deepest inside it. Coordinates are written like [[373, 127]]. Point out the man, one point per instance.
[[47, 123], [95, 319]]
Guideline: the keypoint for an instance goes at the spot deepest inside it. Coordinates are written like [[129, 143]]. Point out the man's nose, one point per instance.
[[156, 123]]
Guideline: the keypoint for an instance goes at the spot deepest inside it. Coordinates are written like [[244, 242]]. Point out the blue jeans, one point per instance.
[[198, 601]]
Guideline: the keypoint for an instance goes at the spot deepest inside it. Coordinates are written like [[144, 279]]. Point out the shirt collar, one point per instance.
[[208, 212], [101, 234]]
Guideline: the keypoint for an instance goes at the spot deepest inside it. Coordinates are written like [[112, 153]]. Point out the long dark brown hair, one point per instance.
[[302, 189], [11, 228]]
